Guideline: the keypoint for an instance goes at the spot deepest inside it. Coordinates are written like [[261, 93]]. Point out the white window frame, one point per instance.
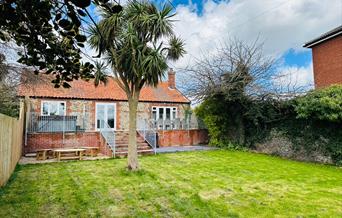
[[104, 103], [49, 101], [164, 114]]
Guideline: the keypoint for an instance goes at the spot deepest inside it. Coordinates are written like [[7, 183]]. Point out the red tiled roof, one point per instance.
[[81, 89]]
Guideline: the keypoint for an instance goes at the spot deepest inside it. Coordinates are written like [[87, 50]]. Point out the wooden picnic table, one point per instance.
[[69, 153], [92, 151], [42, 154]]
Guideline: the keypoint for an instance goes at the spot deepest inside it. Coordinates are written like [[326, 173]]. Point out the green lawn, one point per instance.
[[191, 184]]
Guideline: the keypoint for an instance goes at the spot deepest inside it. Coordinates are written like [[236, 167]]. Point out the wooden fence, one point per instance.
[[11, 140]]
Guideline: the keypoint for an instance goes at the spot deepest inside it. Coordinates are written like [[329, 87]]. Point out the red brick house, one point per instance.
[[327, 58], [85, 115]]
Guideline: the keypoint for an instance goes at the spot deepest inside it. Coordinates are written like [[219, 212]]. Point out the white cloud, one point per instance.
[[289, 78], [282, 24]]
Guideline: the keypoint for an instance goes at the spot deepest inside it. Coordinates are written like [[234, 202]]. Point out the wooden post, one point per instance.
[[80, 153]]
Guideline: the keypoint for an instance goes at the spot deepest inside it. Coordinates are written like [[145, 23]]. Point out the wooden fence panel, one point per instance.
[[11, 140]]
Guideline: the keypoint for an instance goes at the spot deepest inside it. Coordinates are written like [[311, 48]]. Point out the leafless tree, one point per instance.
[[237, 67], [286, 85], [241, 77]]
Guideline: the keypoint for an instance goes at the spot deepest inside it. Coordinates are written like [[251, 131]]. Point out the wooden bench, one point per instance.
[[91, 151], [42, 154], [69, 153]]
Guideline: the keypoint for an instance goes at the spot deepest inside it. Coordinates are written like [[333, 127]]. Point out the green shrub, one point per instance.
[[245, 122], [210, 111], [313, 136], [223, 120], [321, 104]]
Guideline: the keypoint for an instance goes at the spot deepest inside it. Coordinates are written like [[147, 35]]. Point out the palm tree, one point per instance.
[[132, 42], [100, 74]]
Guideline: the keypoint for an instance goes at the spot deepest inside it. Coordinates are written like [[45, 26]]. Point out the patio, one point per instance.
[[31, 159], [173, 149]]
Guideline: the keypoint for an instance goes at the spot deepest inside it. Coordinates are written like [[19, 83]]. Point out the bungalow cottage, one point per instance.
[[88, 116]]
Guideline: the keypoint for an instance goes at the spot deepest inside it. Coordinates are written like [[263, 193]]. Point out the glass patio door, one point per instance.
[[164, 113], [105, 116]]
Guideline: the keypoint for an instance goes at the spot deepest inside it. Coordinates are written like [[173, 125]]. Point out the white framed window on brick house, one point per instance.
[[53, 108], [105, 116], [164, 113]]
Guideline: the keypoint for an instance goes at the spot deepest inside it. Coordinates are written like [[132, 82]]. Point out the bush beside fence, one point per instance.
[[11, 140], [307, 127]]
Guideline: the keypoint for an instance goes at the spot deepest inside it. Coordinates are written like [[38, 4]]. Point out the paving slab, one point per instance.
[[172, 149], [30, 159]]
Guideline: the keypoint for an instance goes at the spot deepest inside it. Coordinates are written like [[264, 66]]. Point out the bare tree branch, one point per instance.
[[235, 67]]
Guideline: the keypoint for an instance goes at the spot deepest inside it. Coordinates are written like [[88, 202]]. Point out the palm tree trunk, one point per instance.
[[132, 138]]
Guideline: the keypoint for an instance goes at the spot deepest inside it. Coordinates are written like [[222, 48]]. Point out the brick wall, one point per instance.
[[104, 148], [37, 141], [327, 62], [171, 79], [182, 137]]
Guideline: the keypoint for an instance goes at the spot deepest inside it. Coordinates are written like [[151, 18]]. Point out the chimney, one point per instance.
[[171, 79]]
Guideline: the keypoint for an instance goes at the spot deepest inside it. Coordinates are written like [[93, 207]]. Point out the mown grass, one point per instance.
[[192, 184]]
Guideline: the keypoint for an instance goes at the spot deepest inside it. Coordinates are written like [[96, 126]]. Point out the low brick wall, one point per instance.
[[37, 141], [104, 148], [182, 137]]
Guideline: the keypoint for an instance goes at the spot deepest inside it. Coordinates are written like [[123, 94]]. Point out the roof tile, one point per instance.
[[81, 89]]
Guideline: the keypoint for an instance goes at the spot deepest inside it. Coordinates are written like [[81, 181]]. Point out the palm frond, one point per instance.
[[130, 42], [100, 73], [176, 48]]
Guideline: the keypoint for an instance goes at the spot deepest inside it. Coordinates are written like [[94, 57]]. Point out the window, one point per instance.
[[164, 113], [53, 108], [105, 115]]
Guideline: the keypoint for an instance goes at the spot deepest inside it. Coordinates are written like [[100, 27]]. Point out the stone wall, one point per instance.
[[277, 143], [144, 112], [85, 109]]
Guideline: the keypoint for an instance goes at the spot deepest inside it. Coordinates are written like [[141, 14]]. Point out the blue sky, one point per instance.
[[290, 58], [282, 25], [293, 58]]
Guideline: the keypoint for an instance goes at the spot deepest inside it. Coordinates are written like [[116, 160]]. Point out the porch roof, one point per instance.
[[80, 89]]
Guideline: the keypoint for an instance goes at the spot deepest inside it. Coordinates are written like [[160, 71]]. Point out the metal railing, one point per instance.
[[54, 123], [73, 123], [146, 130], [109, 135], [162, 124]]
